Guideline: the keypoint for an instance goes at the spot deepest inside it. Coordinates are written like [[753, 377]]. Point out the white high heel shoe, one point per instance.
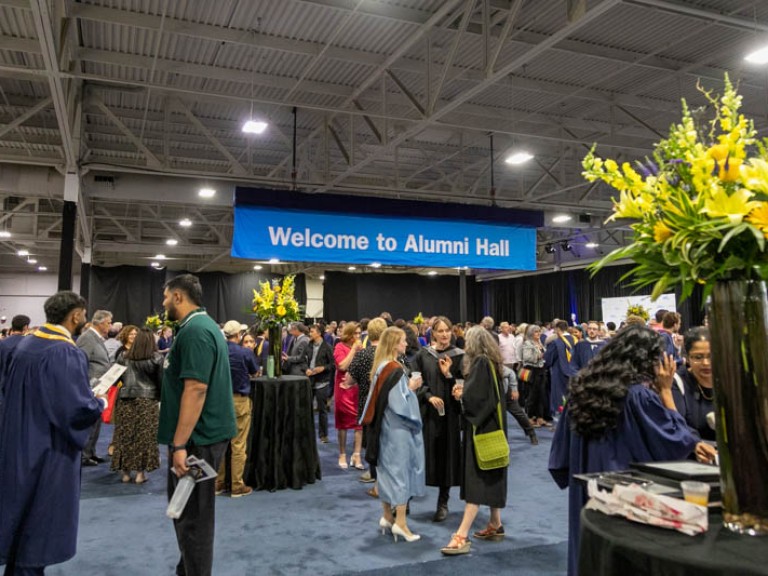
[[397, 531], [385, 525]]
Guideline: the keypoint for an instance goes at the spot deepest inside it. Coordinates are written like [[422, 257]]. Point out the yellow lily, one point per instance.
[[755, 175], [734, 206], [759, 217], [661, 232]]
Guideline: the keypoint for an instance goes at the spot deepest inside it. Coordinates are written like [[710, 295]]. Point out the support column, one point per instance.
[[85, 274], [68, 215], [462, 296]]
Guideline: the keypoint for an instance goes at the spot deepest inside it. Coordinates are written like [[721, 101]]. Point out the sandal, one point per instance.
[[140, 478], [373, 492], [126, 479], [495, 534], [343, 462], [356, 462], [458, 545]]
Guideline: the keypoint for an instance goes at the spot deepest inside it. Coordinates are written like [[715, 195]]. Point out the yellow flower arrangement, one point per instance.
[[699, 208], [419, 319], [638, 310], [274, 303], [158, 321]]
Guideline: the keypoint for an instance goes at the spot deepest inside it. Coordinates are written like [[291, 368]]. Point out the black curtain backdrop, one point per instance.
[[132, 293], [354, 296], [547, 296]]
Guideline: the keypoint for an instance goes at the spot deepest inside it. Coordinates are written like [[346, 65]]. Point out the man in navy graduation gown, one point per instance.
[[586, 349], [558, 359], [46, 417]]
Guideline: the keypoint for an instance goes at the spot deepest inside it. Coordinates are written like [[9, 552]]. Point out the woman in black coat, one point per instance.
[[483, 411]]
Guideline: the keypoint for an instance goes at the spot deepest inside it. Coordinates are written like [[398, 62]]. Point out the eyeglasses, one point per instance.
[[698, 358]]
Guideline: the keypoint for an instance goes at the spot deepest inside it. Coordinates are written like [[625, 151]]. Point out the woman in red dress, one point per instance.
[[345, 395]]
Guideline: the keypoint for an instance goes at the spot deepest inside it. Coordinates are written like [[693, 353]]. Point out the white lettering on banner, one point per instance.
[[487, 248], [432, 246], [285, 236], [416, 243]]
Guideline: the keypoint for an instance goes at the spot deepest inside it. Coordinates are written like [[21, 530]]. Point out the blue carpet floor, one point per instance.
[[327, 528]]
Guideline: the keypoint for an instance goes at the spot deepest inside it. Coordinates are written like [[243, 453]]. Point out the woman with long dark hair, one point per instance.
[[483, 411], [137, 411], [620, 410]]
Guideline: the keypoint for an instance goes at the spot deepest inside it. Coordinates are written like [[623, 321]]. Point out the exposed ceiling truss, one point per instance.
[[393, 99]]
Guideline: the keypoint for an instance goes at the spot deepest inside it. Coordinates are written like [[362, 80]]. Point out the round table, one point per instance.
[[612, 545], [282, 447]]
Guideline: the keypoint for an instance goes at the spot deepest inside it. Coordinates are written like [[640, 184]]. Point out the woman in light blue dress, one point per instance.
[[396, 445]]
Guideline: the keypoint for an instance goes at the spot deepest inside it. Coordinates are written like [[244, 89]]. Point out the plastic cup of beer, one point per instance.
[[695, 492], [441, 410]]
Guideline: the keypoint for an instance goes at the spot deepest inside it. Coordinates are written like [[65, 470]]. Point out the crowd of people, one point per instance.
[[417, 398]]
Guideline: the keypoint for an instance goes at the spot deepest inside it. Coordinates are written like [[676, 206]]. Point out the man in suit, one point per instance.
[[294, 360], [92, 343]]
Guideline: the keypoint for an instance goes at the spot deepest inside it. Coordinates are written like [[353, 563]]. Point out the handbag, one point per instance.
[[491, 448], [106, 414], [524, 374]]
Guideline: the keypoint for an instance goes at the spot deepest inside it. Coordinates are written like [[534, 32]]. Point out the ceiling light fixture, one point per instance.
[[591, 244], [23, 253], [549, 249], [255, 127], [42, 268], [274, 261], [207, 193], [758, 56], [172, 242], [566, 246], [375, 264], [560, 218], [252, 126], [160, 257], [351, 268], [185, 223], [517, 158], [32, 261], [5, 234], [258, 267], [322, 277], [432, 273], [155, 264]]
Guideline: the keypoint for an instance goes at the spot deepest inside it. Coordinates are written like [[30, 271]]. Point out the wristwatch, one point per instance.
[[177, 448]]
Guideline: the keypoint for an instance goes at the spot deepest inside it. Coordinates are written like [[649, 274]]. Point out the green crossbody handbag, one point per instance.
[[491, 448]]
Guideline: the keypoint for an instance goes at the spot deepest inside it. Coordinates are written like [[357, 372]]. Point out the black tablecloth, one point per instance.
[[282, 449], [615, 546]]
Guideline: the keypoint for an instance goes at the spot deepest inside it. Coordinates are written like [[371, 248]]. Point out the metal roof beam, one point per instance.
[[466, 95], [237, 168], [744, 24], [151, 159], [42, 105], [44, 28]]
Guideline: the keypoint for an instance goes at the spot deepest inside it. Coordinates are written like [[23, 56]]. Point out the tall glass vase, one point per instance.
[[738, 318], [274, 361]]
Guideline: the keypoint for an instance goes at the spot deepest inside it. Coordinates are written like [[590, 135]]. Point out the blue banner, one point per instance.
[[299, 236]]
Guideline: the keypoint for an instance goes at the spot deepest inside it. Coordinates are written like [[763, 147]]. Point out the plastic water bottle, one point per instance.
[[180, 496]]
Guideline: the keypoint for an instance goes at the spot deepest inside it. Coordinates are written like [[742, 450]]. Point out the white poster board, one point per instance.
[[615, 309]]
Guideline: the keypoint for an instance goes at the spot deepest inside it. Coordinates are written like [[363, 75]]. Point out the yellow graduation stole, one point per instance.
[[53, 332], [567, 347]]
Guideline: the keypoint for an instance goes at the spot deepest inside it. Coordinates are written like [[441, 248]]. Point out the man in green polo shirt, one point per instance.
[[197, 415]]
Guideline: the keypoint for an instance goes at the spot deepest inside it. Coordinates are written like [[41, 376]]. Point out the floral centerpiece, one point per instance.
[[158, 321], [275, 305], [419, 319], [638, 310], [154, 323], [698, 210]]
